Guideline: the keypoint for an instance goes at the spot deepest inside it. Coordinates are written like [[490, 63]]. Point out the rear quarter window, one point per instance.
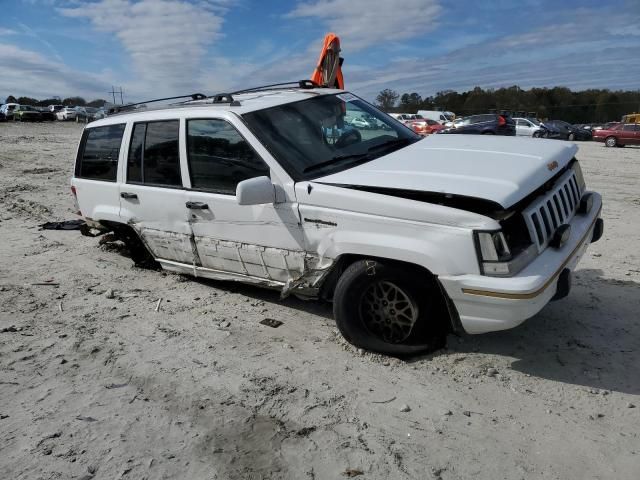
[[98, 153]]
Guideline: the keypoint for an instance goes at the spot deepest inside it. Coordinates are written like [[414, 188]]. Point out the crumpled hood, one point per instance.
[[501, 169]]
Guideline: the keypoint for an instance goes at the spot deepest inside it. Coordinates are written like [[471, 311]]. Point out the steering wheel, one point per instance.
[[348, 138]]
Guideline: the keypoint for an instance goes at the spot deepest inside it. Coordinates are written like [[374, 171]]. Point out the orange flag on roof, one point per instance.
[[328, 72]]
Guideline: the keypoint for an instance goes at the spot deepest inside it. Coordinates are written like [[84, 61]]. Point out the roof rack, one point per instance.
[[130, 106], [302, 84]]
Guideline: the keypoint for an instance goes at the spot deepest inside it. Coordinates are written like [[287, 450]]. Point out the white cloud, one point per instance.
[[166, 39], [27, 73], [7, 31], [367, 23]]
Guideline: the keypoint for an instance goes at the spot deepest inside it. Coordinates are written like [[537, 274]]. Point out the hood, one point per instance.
[[500, 169]]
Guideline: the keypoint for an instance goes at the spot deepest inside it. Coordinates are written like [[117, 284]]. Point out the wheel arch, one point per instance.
[[343, 261]]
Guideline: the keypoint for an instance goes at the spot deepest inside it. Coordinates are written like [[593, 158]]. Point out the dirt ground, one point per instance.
[[95, 383]]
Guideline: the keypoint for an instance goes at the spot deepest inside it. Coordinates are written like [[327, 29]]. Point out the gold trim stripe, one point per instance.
[[530, 295]]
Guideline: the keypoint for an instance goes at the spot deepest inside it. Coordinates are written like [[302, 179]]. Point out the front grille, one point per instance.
[[546, 213]]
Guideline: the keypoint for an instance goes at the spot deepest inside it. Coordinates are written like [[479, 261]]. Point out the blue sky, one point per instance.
[[163, 47]]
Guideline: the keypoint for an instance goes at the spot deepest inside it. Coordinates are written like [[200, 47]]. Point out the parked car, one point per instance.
[[359, 123], [8, 109], [619, 135], [562, 130], [3, 117], [100, 113], [487, 124], [26, 113], [66, 113], [528, 127], [85, 114], [55, 108], [409, 239], [440, 117], [46, 115], [426, 127]]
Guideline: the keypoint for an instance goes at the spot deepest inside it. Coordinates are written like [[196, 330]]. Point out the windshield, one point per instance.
[[326, 134], [534, 121]]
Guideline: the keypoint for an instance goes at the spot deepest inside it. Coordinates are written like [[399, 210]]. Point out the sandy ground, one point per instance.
[[100, 387]]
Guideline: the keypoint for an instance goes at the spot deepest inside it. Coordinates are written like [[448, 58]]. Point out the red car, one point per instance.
[[425, 126], [619, 135]]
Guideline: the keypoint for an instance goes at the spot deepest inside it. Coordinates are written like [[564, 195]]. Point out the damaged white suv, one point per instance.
[[410, 238]]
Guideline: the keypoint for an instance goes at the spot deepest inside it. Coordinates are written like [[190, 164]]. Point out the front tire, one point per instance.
[[610, 142], [389, 308]]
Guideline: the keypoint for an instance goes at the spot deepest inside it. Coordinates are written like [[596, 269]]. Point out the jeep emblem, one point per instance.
[[552, 166]]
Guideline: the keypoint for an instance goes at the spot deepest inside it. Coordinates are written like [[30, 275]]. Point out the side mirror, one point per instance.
[[255, 191]]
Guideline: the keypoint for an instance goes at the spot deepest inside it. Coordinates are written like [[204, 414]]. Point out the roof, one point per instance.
[[248, 102]]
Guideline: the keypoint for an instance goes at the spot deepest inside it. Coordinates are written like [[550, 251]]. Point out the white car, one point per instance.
[[66, 113], [440, 117], [409, 238], [528, 127]]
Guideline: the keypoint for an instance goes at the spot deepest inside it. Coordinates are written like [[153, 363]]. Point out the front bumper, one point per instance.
[[486, 304]]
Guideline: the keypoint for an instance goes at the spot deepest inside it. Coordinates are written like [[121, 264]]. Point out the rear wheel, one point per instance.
[[389, 308], [610, 142]]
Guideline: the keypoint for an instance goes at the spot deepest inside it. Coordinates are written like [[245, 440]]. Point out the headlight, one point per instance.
[[579, 177], [495, 257]]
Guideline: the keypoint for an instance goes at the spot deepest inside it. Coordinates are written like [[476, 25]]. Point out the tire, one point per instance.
[[488, 133], [138, 251], [367, 287], [571, 137], [610, 141], [536, 135]]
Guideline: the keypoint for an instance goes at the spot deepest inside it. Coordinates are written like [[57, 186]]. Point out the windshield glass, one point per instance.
[[327, 134], [534, 121]]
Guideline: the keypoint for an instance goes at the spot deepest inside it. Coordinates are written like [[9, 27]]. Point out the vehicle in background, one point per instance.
[[8, 109], [426, 127], [561, 130], [55, 108], [3, 117], [359, 122], [440, 117], [100, 113], [85, 114], [46, 115], [631, 118], [26, 113], [66, 113], [486, 124], [528, 127], [619, 135]]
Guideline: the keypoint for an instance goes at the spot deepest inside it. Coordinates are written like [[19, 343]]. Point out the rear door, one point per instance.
[[628, 134], [152, 195], [95, 178], [259, 242]]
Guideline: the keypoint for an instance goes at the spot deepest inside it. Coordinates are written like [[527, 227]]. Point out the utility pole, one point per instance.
[[113, 93]]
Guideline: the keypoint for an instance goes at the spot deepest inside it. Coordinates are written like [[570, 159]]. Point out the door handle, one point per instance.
[[197, 205], [127, 195]]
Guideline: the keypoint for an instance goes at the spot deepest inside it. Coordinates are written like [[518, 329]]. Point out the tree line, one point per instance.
[[67, 102], [557, 103]]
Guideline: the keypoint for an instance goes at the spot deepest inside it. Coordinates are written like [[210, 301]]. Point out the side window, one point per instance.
[[99, 151], [219, 157], [154, 156], [629, 128]]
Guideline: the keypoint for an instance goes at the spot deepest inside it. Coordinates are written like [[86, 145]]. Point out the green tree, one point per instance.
[[387, 99], [27, 101], [97, 103], [74, 102], [11, 99]]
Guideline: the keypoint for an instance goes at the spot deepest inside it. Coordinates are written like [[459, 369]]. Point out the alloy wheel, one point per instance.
[[388, 311]]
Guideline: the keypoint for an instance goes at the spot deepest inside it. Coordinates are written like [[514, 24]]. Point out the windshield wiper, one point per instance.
[[336, 159]]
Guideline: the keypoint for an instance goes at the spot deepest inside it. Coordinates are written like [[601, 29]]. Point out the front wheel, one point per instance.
[[389, 308], [536, 134], [610, 142]]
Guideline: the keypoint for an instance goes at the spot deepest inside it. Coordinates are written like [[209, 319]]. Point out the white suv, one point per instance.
[[409, 238]]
